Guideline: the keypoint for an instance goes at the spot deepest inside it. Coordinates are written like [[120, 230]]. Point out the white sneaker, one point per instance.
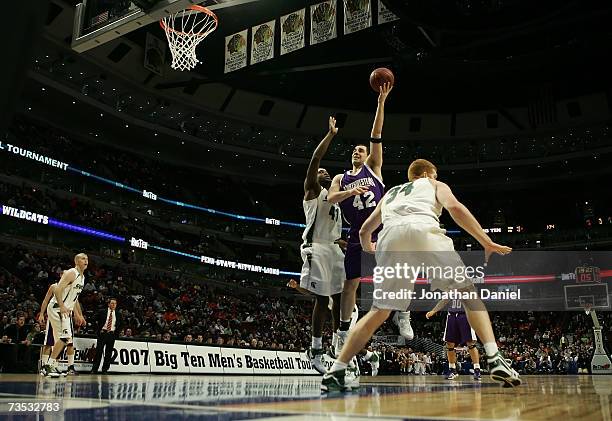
[[351, 380], [341, 340], [402, 320], [374, 363]]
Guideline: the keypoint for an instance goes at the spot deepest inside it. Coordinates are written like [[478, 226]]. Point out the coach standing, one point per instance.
[[109, 326]]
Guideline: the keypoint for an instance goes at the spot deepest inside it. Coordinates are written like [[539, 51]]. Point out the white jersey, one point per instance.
[[323, 220], [414, 201], [72, 291]]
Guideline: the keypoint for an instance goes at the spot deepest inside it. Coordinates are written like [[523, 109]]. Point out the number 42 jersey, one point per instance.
[[356, 209]]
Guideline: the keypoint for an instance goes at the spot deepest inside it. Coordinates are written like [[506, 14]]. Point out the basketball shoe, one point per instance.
[[501, 371], [452, 375], [402, 320], [316, 359]]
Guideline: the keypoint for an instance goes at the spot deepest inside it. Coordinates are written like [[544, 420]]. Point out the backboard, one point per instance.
[[595, 295], [99, 21]]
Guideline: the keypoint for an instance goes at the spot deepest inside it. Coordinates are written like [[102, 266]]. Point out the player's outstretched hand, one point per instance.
[[429, 314], [497, 249], [384, 91], [358, 191], [292, 283], [332, 126]]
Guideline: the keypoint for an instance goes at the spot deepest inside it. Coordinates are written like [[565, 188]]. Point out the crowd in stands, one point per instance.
[[158, 306]]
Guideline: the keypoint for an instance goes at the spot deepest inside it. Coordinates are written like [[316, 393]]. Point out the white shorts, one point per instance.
[[323, 269], [417, 245], [62, 325]]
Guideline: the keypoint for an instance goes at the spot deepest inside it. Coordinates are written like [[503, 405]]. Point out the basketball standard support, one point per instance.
[[134, 19], [600, 363]]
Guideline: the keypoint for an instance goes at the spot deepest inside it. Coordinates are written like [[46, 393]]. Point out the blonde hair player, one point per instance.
[[59, 310], [410, 215]]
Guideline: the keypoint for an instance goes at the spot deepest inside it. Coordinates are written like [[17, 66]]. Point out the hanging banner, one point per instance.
[[357, 15], [384, 14], [292, 31], [322, 22], [262, 42], [236, 51]]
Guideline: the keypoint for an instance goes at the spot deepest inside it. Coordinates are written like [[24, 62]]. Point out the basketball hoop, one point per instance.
[[184, 31]]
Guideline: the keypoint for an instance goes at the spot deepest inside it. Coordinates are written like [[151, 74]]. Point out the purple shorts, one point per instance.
[[49, 340], [458, 330], [352, 261]]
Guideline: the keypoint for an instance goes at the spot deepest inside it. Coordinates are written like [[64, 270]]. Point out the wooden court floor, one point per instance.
[[158, 397]]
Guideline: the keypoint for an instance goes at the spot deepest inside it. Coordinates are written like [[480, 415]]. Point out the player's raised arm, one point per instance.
[[464, 218], [439, 306], [312, 188], [375, 159], [368, 227], [337, 196], [67, 278]]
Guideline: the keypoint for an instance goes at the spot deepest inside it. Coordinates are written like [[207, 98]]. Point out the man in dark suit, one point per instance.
[[109, 326]]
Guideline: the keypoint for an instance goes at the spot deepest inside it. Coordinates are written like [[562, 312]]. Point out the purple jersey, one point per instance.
[[356, 209], [455, 306]]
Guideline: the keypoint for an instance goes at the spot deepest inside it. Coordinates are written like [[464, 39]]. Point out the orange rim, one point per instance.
[[196, 8]]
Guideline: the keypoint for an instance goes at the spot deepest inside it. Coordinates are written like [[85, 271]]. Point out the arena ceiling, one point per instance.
[[447, 55]]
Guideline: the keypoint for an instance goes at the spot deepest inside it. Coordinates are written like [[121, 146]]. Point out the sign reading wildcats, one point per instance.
[[33, 155], [22, 214]]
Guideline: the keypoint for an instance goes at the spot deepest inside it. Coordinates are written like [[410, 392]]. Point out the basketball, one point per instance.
[[381, 76]]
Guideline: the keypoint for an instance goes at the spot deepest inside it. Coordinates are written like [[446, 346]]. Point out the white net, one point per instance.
[[184, 31]]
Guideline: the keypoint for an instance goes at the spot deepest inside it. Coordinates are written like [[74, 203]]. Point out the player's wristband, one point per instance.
[[374, 140]]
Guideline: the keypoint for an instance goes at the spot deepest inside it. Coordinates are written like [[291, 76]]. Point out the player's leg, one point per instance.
[[499, 369], [347, 305], [451, 355], [475, 356], [70, 354], [319, 315], [333, 380], [61, 334]]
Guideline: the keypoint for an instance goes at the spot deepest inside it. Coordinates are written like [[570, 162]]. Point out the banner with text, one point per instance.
[[384, 14], [322, 22], [154, 357], [357, 15], [292, 31], [236, 51], [262, 42]]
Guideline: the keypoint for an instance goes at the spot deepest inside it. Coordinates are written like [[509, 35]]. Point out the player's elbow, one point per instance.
[[333, 198], [455, 207]]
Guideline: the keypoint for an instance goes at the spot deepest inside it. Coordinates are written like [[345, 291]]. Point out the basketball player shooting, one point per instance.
[[323, 271], [359, 191], [412, 236]]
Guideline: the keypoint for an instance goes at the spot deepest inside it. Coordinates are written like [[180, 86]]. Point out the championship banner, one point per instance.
[[236, 51], [357, 15], [262, 42], [384, 14], [322, 22], [167, 358], [292, 32]]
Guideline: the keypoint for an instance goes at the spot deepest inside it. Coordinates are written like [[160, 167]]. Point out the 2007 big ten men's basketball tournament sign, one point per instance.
[[292, 31], [322, 22], [262, 42], [236, 51], [357, 15]]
